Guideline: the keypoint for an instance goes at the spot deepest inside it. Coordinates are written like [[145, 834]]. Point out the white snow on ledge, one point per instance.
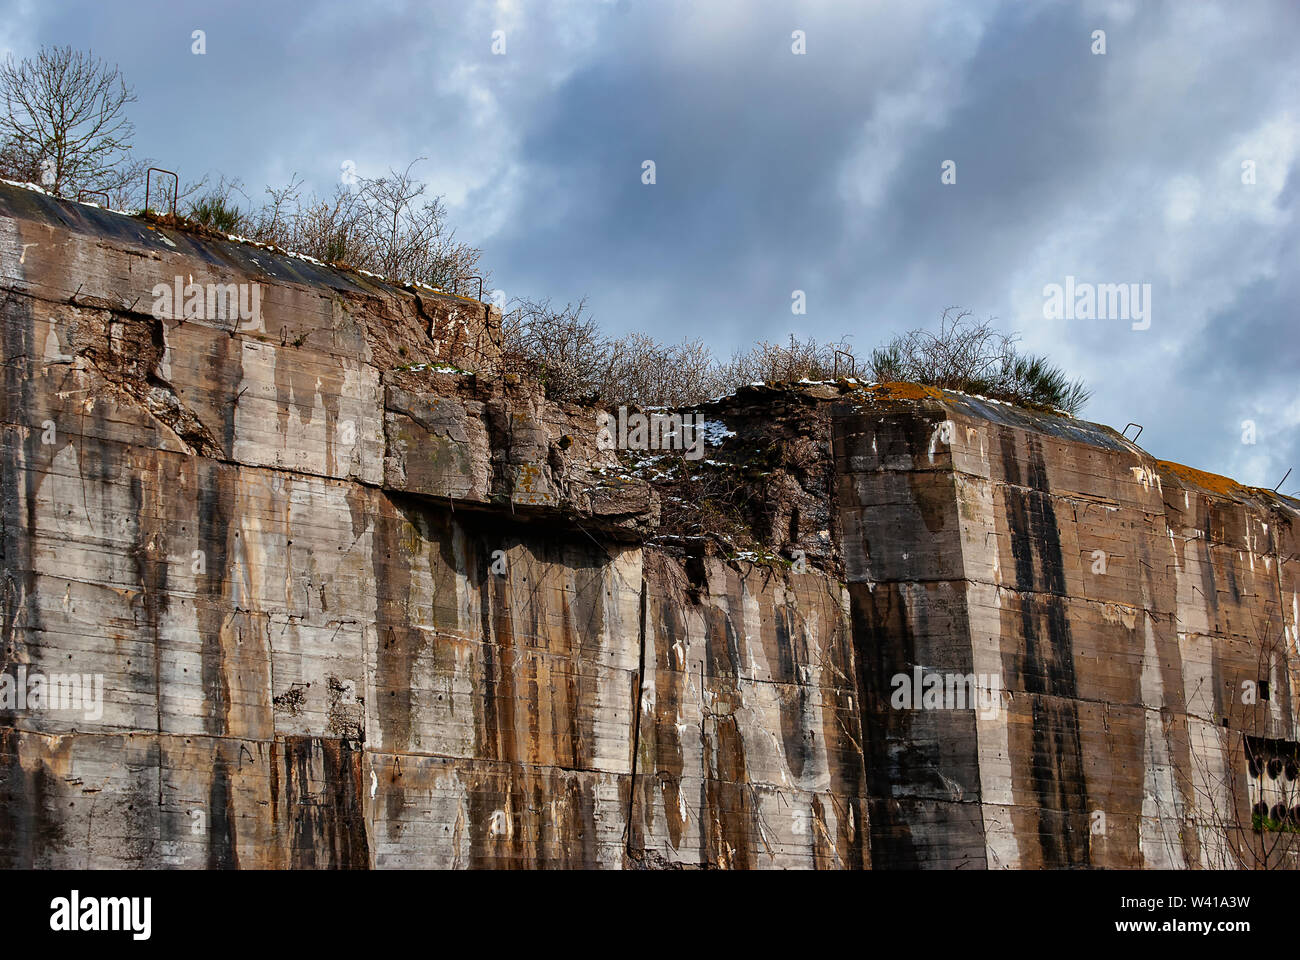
[[35, 188]]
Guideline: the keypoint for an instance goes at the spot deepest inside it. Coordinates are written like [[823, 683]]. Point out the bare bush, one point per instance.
[[385, 225], [646, 372], [566, 352], [973, 357], [796, 360], [329, 229], [558, 347]]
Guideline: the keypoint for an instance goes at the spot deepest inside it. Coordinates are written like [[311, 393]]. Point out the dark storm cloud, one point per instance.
[[819, 172]]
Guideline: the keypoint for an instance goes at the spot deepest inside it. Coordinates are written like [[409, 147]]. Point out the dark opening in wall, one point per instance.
[[1272, 766]]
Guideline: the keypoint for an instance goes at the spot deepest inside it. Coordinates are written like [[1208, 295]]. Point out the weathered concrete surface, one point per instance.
[[353, 610], [1128, 608], [358, 600]]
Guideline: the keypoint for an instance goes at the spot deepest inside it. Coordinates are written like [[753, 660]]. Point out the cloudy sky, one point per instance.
[[1169, 160]]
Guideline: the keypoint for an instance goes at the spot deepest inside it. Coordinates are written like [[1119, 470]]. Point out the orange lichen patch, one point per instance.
[[527, 477], [1211, 482], [903, 391]]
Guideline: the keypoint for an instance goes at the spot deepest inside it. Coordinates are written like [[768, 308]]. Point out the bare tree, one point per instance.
[[64, 124], [407, 237]]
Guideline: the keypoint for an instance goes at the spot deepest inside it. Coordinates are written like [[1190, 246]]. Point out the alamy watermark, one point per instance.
[[214, 301], [922, 690], [1098, 301], [656, 431], [33, 690], [75, 913]]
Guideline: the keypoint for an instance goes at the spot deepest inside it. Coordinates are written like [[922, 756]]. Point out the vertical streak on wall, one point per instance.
[[636, 724], [904, 567]]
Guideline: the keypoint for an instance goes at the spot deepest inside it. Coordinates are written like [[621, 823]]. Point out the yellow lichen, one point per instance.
[[1212, 482], [527, 476], [903, 391]]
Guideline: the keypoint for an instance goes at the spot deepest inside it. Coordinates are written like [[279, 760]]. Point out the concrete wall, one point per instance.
[[351, 611], [358, 600], [1128, 608]]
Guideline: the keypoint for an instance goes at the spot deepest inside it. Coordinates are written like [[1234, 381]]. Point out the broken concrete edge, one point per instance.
[[1059, 424]]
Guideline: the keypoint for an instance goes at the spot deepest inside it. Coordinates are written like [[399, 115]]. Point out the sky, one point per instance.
[[886, 159]]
